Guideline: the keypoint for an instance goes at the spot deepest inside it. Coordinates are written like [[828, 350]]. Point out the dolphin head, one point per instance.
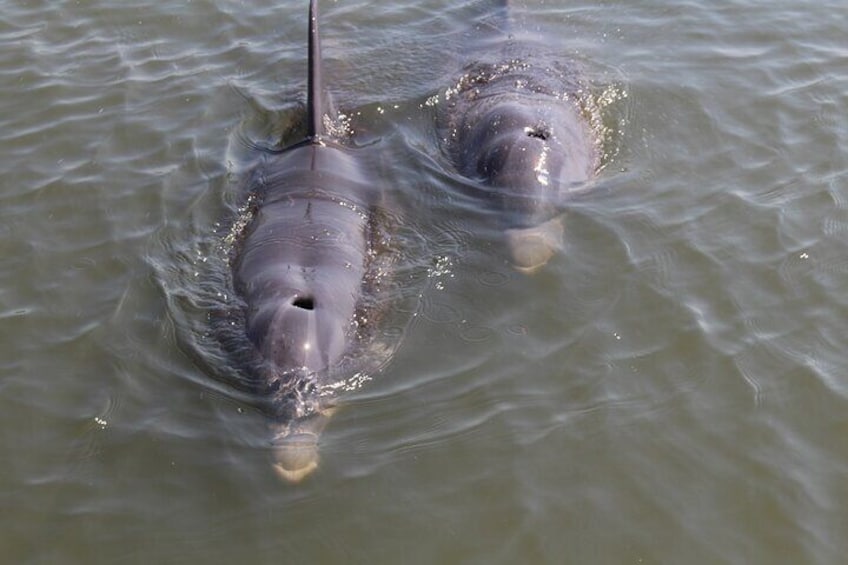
[[303, 338], [301, 276], [302, 333]]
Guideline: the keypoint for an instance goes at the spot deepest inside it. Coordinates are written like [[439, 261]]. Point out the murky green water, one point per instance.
[[671, 389]]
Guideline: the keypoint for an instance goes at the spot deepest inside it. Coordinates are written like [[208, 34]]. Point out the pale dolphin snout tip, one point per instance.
[[295, 445], [296, 457], [532, 248]]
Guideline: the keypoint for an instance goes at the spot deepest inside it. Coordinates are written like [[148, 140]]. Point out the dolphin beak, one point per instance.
[[531, 248], [296, 457], [295, 447]]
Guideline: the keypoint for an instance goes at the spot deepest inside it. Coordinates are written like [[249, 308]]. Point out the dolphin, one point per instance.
[[301, 269], [513, 124]]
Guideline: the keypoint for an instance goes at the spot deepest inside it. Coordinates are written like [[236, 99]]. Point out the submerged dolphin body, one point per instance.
[[513, 123], [301, 270]]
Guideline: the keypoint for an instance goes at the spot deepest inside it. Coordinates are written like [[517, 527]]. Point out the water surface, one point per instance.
[[670, 389]]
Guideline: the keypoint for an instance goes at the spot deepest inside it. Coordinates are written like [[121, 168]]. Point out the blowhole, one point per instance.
[[304, 303], [539, 132]]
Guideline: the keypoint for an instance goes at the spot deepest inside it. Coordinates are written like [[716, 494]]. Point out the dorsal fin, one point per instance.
[[504, 11], [316, 99]]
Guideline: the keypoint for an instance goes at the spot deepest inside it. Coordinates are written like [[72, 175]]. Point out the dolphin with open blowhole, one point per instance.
[[302, 268], [516, 123]]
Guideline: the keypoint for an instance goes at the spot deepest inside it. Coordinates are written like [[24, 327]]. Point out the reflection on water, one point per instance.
[[671, 387]]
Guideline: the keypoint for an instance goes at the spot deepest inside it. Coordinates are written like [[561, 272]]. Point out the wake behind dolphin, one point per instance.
[[514, 123], [302, 267]]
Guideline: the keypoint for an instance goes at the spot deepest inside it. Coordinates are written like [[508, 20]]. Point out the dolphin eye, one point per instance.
[[304, 302]]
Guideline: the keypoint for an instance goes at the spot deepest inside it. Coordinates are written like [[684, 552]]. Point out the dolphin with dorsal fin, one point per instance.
[[513, 123], [301, 270]]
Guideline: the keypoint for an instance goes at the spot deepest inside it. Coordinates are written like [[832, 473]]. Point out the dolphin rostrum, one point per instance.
[[301, 270], [513, 123]]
